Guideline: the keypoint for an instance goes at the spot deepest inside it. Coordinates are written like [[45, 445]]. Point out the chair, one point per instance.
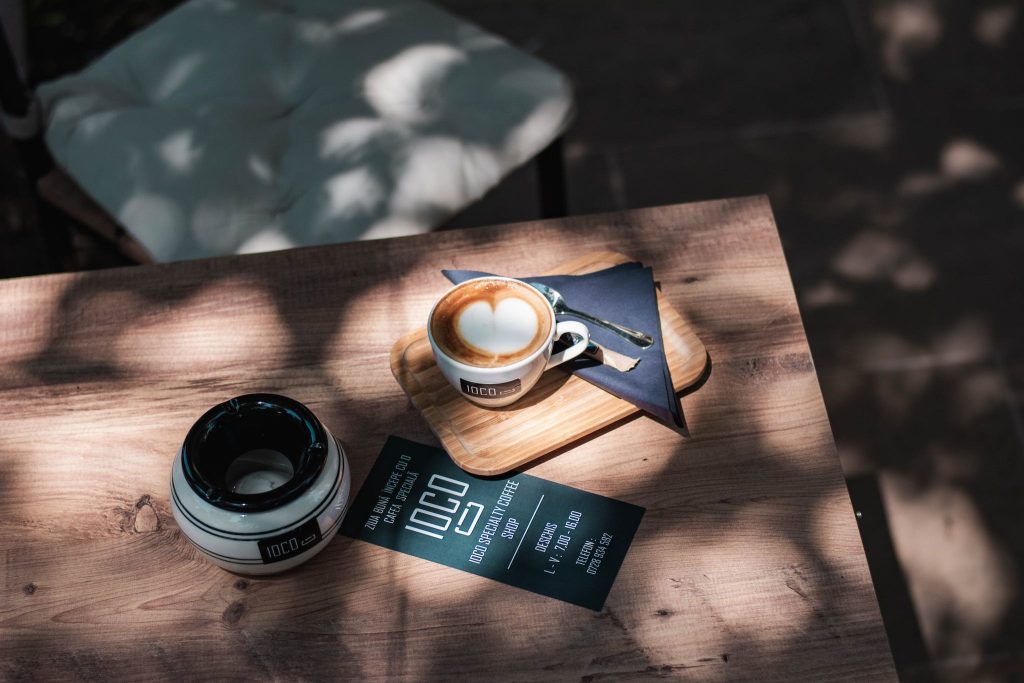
[[234, 126]]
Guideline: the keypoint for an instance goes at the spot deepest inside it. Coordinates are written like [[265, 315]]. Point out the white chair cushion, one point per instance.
[[233, 126]]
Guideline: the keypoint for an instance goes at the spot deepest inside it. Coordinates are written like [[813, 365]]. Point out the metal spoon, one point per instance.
[[558, 303]]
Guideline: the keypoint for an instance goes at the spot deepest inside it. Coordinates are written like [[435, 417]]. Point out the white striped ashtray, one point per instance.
[[259, 485]]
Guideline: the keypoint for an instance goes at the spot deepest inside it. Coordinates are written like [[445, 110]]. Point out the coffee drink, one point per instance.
[[493, 337], [491, 323]]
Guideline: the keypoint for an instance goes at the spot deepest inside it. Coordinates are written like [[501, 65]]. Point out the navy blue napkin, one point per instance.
[[624, 294]]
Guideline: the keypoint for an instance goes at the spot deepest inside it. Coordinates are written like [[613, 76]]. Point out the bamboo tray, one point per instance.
[[560, 409]]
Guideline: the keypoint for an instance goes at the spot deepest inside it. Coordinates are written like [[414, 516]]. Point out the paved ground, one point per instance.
[[888, 135]]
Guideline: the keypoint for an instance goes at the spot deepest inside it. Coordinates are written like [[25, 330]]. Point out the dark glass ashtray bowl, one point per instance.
[[259, 485]]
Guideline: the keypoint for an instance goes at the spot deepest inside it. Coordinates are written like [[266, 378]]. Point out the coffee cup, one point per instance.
[[493, 337]]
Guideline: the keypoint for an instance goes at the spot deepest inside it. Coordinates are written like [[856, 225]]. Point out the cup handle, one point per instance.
[[572, 327]]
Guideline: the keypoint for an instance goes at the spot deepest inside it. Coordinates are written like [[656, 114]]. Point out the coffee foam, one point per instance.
[[490, 323]]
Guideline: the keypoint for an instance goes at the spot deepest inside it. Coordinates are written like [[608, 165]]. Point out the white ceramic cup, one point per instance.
[[494, 387]]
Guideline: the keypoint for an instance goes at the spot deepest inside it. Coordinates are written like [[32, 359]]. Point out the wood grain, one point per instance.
[[747, 566], [557, 411]]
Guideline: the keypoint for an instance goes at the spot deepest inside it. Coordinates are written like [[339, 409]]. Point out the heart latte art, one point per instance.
[[491, 323]]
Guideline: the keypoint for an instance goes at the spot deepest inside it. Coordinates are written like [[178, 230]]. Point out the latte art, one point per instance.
[[491, 323], [506, 328]]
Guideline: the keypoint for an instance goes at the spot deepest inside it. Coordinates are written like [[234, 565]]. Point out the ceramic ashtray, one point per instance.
[[259, 485]]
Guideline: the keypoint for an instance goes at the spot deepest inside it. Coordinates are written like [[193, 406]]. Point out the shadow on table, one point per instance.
[[287, 627], [902, 233]]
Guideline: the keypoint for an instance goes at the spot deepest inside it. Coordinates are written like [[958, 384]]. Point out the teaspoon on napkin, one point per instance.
[[558, 303]]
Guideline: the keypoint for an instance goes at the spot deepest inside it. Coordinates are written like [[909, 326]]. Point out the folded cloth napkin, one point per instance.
[[623, 294]]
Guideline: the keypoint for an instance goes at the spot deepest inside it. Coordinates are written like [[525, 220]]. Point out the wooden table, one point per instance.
[[747, 565]]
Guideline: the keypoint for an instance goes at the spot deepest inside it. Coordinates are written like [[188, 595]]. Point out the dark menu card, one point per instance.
[[527, 532]]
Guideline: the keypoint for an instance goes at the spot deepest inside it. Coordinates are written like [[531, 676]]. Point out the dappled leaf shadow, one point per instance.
[[905, 261], [355, 122]]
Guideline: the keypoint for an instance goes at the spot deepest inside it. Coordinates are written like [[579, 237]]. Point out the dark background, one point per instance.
[[889, 135]]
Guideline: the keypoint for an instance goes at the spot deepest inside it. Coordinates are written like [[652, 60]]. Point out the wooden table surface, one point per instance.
[[747, 565]]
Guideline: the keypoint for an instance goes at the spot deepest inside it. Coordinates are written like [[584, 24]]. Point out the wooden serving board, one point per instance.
[[558, 410]]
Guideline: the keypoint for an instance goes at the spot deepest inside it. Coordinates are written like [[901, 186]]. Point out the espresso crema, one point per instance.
[[491, 323]]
